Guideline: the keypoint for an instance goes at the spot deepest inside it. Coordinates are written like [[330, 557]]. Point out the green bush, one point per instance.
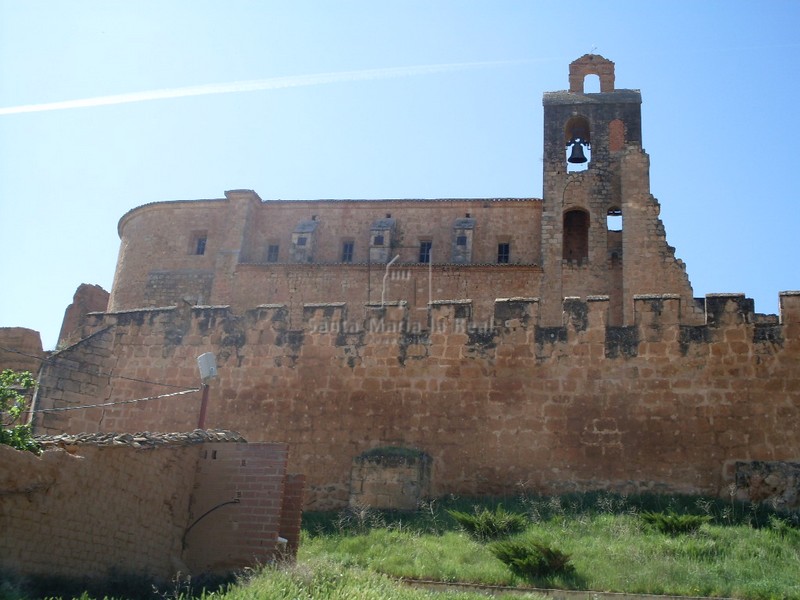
[[488, 525], [532, 560], [672, 523], [13, 405]]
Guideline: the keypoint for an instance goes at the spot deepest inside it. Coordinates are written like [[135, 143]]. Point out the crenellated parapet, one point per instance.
[[659, 329]]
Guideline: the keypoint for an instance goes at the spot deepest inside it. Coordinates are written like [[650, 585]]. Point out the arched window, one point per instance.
[[576, 236], [578, 140], [591, 84]]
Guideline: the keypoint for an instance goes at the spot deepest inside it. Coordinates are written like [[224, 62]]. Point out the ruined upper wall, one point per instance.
[[20, 349], [87, 298]]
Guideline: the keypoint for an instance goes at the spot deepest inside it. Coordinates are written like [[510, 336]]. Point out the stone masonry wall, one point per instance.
[[20, 349], [146, 505], [159, 265], [82, 513], [87, 298], [656, 406]]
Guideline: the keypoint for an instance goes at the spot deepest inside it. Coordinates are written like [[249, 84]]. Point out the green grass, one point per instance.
[[741, 552]]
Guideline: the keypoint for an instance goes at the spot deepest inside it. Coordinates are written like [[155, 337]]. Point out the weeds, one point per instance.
[[533, 561], [672, 523], [484, 524]]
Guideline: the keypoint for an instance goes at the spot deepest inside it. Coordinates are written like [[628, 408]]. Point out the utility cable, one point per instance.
[[83, 406], [77, 370]]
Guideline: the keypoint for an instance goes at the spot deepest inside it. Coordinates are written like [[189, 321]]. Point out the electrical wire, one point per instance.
[[52, 359], [84, 406]]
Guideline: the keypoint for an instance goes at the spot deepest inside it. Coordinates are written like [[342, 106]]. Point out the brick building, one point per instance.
[[551, 341]]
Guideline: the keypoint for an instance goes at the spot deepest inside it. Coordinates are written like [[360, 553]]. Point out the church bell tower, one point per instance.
[[585, 136]]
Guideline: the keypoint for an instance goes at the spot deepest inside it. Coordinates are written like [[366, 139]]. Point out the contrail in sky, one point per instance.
[[274, 83]]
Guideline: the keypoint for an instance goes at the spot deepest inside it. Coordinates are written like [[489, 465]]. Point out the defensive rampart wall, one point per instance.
[[657, 406]]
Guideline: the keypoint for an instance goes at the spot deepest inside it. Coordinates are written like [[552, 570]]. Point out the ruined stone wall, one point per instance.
[[146, 505], [649, 263], [20, 349], [87, 298], [659, 405]]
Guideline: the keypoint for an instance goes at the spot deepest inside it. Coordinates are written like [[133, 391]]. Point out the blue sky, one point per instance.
[[361, 118]]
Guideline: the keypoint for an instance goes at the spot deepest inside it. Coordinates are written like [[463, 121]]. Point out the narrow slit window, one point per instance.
[[200, 246], [272, 253]]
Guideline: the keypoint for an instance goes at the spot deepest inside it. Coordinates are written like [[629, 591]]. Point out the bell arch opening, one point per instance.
[[591, 83], [578, 140], [576, 237]]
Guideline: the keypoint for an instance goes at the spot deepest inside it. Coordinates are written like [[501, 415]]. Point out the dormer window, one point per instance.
[[302, 248], [381, 233], [461, 245]]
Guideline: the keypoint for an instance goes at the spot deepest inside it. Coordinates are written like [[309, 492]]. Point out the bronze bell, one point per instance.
[[577, 156]]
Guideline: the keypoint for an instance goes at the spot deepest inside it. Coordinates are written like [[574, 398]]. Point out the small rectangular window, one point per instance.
[[377, 240], [198, 242], [425, 251], [347, 251], [272, 253], [461, 240], [503, 252], [301, 241]]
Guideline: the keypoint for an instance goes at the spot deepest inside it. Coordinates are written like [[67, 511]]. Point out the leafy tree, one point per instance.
[[13, 404]]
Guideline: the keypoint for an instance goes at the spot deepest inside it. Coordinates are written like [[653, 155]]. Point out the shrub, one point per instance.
[[672, 523], [487, 525], [532, 560], [13, 404]]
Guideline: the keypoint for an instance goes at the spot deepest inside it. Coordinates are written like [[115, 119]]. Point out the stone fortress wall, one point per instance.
[[656, 406]]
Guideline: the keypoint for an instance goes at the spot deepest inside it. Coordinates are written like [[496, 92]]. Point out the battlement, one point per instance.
[[658, 330]]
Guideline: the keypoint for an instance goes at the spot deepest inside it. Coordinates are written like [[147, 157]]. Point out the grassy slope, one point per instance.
[[611, 549]]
